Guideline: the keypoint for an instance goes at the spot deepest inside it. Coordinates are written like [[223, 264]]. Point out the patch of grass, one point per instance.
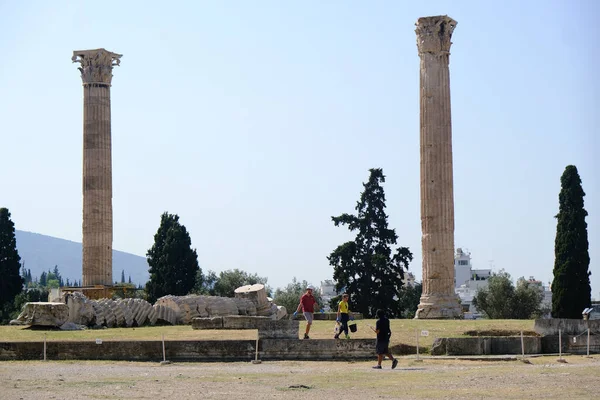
[[495, 332], [179, 332], [405, 331]]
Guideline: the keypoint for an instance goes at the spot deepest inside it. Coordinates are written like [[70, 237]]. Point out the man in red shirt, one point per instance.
[[307, 304]]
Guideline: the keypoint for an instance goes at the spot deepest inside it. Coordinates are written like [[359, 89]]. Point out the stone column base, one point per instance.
[[95, 292], [439, 307]]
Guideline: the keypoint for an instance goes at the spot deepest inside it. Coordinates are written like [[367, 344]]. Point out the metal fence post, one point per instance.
[[560, 359], [588, 342]]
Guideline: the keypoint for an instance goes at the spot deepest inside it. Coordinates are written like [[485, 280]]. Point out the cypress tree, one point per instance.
[[11, 282], [571, 290], [173, 263]]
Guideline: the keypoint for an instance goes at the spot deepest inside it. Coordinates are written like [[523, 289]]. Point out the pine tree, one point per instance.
[[365, 268], [123, 276], [11, 282], [56, 273], [173, 263], [43, 277], [571, 290]]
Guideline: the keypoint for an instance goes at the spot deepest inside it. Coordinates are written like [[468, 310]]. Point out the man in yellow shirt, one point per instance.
[[343, 316]]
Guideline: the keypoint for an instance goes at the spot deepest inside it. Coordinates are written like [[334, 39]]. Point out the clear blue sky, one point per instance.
[[257, 121]]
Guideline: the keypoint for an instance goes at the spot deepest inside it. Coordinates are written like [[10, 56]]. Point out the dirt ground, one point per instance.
[[545, 378]]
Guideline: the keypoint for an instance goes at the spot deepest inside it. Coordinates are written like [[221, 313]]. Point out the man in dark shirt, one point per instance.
[[383, 331]]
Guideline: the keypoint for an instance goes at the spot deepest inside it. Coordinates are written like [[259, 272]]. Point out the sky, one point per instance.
[[256, 122]]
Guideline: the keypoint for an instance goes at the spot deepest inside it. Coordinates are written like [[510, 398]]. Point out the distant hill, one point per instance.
[[41, 253]]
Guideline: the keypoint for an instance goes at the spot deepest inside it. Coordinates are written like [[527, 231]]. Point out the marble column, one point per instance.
[[438, 299], [96, 74]]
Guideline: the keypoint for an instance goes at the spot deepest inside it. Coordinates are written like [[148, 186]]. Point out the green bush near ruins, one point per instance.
[[502, 300]]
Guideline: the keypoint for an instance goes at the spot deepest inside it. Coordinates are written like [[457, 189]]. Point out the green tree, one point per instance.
[[528, 298], [43, 278], [366, 268], [28, 296], [57, 276], [126, 291], [230, 280], [571, 291], [11, 282], [205, 284], [501, 300], [122, 276], [409, 299], [289, 297], [26, 275], [173, 263]]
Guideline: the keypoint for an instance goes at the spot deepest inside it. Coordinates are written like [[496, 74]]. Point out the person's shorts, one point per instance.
[[309, 317], [382, 346]]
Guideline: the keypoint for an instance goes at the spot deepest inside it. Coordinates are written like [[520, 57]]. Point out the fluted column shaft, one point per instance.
[[96, 74], [97, 186], [437, 195]]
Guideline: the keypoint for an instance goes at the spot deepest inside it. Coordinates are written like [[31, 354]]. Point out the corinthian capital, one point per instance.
[[434, 34], [96, 65]]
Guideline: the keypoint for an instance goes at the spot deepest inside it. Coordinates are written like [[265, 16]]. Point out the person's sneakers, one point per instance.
[[347, 336], [394, 363], [377, 367], [306, 336], [336, 337]]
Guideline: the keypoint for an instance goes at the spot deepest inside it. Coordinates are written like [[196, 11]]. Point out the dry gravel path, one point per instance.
[[432, 379]]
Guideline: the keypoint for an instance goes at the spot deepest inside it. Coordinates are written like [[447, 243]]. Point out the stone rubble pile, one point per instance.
[[76, 310], [172, 310]]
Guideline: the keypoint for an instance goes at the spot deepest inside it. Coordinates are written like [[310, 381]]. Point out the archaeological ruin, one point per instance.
[[96, 75], [438, 299]]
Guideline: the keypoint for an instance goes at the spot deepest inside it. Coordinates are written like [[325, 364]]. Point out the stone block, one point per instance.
[[81, 310], [572, 344], [493, 345], [267, 327], [207, 323], [44, 314], [551, 326]]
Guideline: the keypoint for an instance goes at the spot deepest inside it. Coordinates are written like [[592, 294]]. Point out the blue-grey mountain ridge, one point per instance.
[[41, 253]]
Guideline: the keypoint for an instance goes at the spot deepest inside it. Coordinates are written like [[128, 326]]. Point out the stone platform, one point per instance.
[[196, 351], [267, 327], [566, 326]]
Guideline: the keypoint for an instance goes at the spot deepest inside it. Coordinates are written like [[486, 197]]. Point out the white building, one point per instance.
[[327, 290], [409, 279], [547, 300], [467, 281]]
